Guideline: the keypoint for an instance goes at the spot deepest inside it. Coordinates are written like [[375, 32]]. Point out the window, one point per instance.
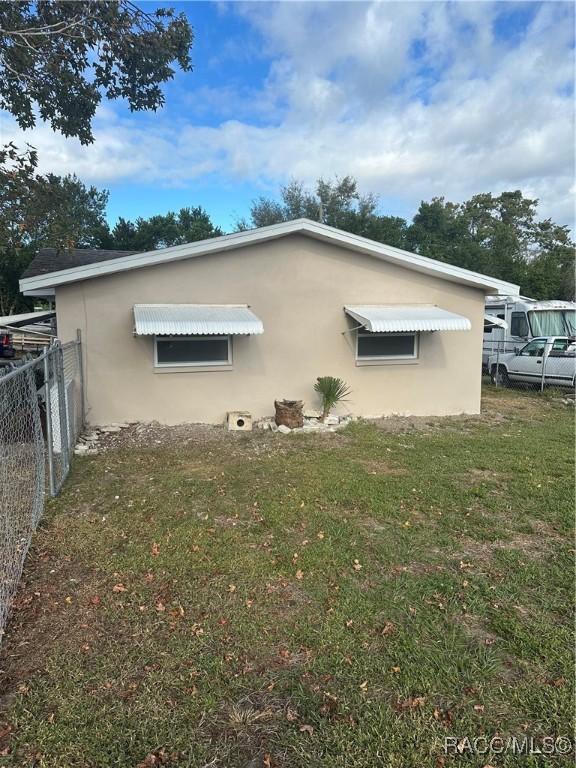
[[386, 346], [551, 322], [563, 348], [177, 351], [519, 325], [534, 348]]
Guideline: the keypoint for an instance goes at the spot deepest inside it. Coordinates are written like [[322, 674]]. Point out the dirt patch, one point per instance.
[[498, 408], [475, 630], [232, 522], [375, 467], [238, 445], [532, 545], [474, 476], [415, 569]]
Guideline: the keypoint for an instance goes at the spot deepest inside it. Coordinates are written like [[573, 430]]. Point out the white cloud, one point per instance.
[[345, 94]]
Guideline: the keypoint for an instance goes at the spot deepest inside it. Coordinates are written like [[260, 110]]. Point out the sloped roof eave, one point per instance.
[[264, 234]]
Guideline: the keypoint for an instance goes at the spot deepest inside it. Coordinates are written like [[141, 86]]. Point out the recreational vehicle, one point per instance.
[[511, 321]]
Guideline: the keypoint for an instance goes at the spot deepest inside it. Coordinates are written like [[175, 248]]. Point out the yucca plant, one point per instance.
[[332, 391]]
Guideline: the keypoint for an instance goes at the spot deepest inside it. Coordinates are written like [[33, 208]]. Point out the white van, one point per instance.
[[511, 321]]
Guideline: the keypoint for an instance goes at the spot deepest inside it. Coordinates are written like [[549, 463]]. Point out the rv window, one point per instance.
[[549, 322], [519, 325]]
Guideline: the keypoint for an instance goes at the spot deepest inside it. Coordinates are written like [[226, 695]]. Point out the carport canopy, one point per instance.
[[195, 320], [27, 318], [406, 318]]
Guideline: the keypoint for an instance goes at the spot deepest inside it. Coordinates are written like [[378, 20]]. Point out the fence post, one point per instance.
[[62, 408], [544, 361], [497, 364], [48, 404], [81, 376]]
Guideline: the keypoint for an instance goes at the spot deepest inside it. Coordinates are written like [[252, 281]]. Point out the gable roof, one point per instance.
[[49, 260], [306, 227]]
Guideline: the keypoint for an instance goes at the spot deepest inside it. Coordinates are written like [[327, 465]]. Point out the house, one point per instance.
[[188, 333]]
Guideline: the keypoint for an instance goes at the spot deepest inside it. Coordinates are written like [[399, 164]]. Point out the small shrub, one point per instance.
[[332, 391]]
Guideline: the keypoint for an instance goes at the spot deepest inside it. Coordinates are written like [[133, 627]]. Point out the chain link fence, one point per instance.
[[41, 416], [540, 364]]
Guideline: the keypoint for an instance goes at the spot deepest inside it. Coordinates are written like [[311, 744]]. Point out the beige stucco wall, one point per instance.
[[298, 287]]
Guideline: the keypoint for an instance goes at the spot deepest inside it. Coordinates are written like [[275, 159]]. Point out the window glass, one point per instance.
[[374, 345], [570, 320], [534, 349], [519, 324], [548, 322], [192, 350]]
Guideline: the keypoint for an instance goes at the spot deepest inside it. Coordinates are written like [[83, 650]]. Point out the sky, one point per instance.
[[415, 100]]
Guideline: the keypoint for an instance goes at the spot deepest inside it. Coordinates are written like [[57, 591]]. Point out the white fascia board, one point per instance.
[[42, 292], [264, 234]]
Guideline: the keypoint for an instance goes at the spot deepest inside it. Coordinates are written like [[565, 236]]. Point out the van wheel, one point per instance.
[[500, 376]]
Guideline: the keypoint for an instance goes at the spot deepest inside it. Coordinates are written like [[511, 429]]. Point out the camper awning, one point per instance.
[[195, 320], [399, 318], [490, 320]]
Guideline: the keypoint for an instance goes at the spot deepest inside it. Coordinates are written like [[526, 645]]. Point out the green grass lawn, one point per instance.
[[259, 600]]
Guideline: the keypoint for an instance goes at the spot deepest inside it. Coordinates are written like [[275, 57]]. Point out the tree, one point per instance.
[[38, 211], [337, 203], [61, 56], [58, 59], [499, 236], [17, 180], [496, 235], [163, 231]]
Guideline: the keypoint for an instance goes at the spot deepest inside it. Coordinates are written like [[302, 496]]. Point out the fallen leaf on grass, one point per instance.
[[356, 565], [160, 757], [119, 588], [412, 702], [388, 629], [299, 574], [291, 715], [95, 600], [443, 716], [231, 588], [155, 549], [307, 729]]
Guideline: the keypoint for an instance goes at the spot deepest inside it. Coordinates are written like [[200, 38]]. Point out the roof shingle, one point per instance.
[[53, 259]]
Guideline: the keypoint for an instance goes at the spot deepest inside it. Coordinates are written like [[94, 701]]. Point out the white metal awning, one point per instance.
[[398, 318], [490, 320], [195, 320]]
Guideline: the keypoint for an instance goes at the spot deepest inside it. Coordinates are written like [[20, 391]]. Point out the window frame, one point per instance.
[[373, 359], [514, 316], [195, 364]]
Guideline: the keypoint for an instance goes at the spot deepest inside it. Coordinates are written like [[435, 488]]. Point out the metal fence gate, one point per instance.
[[41, 415]]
